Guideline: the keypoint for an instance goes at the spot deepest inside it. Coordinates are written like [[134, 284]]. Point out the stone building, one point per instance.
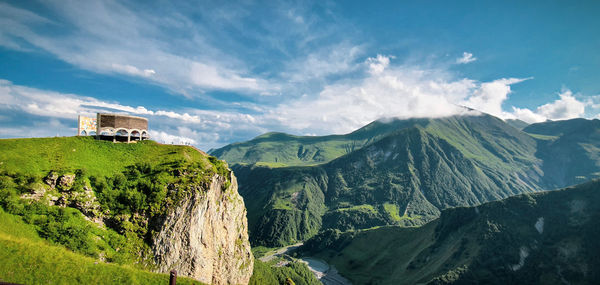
[[114, 127]]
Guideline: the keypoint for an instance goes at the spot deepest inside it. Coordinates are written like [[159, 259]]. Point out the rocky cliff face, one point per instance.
[[206, 236]]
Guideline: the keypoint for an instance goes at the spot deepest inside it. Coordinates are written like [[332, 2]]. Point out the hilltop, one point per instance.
[[144, 206]]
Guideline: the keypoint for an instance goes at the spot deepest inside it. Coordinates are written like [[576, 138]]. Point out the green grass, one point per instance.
[[293, 273], [130, 184], [260, 251], [543, 137], [360, 208], [29, 259], [392, 210], [37, 156]]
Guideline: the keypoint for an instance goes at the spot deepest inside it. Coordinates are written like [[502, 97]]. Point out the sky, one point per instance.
[[209, 73]]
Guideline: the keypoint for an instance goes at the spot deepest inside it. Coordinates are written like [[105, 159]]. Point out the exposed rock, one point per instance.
[[36, 192], [206, 236], [86, 203], [51, 179], [66, 181]]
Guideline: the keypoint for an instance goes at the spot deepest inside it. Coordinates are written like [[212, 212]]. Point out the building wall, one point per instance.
[[122, 121]]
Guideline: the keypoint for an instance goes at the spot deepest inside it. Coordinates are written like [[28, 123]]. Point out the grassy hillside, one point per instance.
[[517, 124], [280, 150], [29, 259], [542, 238], [404, 177], [570, 150], [78, 210], [98, 199], [404, 172], [38, 156]]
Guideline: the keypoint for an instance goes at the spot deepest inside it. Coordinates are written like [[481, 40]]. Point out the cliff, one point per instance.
[[149, 206], [206, 236]]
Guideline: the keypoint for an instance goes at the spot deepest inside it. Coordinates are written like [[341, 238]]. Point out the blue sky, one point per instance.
[[212, 73]]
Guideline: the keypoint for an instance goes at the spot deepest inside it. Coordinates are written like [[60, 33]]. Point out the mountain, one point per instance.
[[279, 149], [405, 174], [516, 123], [537, 238], [146, 206], [570, 150]]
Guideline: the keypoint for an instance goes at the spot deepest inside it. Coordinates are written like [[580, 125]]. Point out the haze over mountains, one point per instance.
[[402, 172]]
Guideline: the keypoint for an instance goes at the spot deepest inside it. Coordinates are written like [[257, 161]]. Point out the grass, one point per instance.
[[28, 259], [543, 137], [392, 210], [49, 244], [260, 251], [362, 208], [37, 156]]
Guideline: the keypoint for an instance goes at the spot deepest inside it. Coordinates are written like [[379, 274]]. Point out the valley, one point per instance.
[[408, 173]]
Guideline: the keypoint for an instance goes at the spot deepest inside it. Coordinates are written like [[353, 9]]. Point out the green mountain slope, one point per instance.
[[541, 238], [279, 149], [570, 150], [517, 124], [405, 177]]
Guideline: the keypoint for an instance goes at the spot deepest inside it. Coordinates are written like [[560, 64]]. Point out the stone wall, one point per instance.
[[122, 121]]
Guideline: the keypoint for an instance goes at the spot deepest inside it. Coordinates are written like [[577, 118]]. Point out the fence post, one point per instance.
[[173, 279]]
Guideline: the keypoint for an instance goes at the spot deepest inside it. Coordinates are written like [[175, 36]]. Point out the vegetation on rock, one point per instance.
[[101, 200]]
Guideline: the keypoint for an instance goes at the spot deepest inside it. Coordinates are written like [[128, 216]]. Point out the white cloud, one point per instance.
[[387, 91], [489, 96], [467, 57], [526, 115], [318, 64], [111, 37], [567, 107], [133, 70], [564, 108], [378, 64], [166, 138]]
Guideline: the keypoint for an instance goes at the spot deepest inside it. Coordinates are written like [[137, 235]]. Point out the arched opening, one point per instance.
[[83, 133], [135, 135], [145, 135], [106, 134], [122, 135]]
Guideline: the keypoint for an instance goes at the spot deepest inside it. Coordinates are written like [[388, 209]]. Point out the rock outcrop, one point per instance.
[[206, 236]]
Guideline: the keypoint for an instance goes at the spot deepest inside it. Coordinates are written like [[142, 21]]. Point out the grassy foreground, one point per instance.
[[28, 259]]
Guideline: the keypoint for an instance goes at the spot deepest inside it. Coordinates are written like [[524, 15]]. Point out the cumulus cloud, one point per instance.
[[564, 108], [567, 107], [172, 139], [401, 91], [378, 64], [489, 96], [467, 57]]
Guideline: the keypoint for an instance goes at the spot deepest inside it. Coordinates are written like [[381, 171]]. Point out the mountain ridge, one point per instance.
[[439, 163], [535, 238]]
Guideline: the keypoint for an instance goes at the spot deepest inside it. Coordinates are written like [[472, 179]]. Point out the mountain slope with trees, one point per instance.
[[406, 174], [538, 238]]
